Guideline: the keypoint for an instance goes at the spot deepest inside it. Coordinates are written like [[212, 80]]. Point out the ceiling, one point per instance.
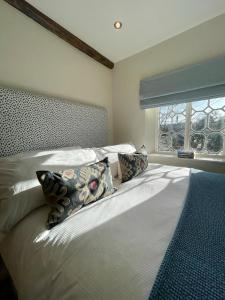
[[145, 22]]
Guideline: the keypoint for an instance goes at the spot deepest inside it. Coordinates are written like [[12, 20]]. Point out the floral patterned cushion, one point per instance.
[[132, 164], [69, 190]]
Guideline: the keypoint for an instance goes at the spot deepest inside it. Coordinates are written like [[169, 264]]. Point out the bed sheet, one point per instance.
[[111, 249]]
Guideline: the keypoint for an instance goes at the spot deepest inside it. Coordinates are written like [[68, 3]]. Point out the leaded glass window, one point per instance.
[[198, 126]]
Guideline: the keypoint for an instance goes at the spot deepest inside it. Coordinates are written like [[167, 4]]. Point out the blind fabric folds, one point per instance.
[[196, 82]]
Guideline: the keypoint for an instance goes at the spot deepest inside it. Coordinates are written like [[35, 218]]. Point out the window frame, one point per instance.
[[187, 131]]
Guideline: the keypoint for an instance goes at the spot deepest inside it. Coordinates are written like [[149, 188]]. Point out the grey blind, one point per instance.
[[192, 83]]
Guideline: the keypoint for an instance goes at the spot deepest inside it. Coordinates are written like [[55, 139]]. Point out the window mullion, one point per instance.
[[157, 129], [187, 127]]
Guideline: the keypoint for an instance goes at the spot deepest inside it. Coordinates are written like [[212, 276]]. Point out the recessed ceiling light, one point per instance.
[[118, 25]]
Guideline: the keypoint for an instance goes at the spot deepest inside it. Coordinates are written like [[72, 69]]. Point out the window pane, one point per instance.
[[216, 119], [200, 105], [215, 142], [178, 141], [197, 141], [217, 103], [171, 127], [198, 121], [178, 122], [165, 142], [208, 126], [179, 108]]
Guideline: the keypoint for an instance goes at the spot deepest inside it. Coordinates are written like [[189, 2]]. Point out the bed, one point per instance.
[[125, 245], [110, 250]]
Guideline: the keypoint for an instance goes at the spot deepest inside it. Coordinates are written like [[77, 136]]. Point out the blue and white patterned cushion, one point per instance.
[[70, 190], [132, 164]]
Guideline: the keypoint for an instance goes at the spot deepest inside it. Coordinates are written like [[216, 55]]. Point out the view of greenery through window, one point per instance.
[[197, 126]]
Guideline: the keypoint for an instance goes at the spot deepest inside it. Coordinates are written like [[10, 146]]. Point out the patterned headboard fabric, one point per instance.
[[31, 122]]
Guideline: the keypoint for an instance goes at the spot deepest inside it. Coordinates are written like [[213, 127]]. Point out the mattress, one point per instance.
[[111, 249]]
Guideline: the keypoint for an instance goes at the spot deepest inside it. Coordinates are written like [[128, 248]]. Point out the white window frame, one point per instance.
[[186, 138]]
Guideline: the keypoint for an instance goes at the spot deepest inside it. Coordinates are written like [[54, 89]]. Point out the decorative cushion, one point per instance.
[[132, 164], [69, 190], [20, 191], [112, 153]]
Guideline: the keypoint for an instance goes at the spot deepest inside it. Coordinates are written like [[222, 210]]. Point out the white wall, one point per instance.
[[130, 122], [32, 58]]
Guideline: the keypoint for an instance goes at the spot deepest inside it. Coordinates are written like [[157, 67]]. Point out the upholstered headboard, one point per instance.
[[30, 122]]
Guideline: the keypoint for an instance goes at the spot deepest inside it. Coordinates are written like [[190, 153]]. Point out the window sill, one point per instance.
[[213, 164]]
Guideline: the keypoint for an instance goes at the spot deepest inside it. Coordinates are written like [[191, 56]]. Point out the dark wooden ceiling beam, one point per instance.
[[60, 31]]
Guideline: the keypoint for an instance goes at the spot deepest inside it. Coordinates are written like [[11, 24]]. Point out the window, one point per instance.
[[197, 126]]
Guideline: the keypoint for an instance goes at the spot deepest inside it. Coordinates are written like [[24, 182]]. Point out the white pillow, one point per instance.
[[20, 191], [37, 153], [112, 153]]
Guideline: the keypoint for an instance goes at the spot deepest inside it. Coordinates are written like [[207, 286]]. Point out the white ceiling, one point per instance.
[[145, 22]]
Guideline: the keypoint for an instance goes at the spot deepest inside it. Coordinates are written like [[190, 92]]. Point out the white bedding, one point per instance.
[[111, 249]]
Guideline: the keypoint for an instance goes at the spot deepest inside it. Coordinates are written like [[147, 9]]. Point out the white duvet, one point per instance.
[[111, 249]]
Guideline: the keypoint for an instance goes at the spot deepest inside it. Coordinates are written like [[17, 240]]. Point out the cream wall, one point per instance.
[[32, 58], [130, 122]]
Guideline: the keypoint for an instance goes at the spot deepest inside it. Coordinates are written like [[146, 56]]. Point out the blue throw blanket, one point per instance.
[[194, 264]]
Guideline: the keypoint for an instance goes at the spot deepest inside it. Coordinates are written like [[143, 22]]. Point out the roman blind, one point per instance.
[[196, 82]]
